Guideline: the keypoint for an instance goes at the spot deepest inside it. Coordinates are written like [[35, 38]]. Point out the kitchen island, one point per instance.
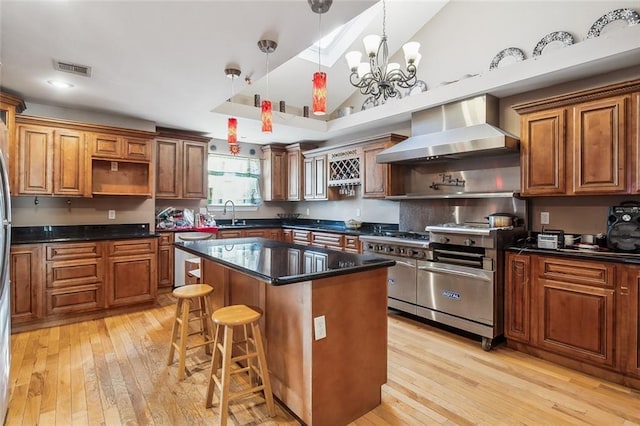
[[330, 380]]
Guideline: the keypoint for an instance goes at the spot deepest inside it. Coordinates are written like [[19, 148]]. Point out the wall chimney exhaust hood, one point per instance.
[[461, 129]]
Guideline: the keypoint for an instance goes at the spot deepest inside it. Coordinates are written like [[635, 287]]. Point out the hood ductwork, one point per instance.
[[457, 130]]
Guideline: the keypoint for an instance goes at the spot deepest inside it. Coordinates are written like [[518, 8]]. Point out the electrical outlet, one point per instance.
[[112, 214], [114, 166], [307, 211], [358, 212], [544, 218], [319, 327]]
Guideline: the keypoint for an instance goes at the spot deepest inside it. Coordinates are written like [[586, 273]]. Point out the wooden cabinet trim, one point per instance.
[[85, 127], [597, 274]]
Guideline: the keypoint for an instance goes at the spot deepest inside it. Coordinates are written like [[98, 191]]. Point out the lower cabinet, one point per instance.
[[165, 261], [26, 275], [581, 313], [49, 281], [132, 271], [271, 233], [75, 277]]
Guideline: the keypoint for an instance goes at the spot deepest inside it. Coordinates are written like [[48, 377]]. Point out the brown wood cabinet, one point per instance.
[[27, 279], [295, 180], [274, 173], [9, 107], [582, 143], [381, 180], [112, 146], [271, 233], [75, 277], [165, 261], [517, 297], [34, 162], [327, 240], [181, 165], [132, 275], [315, 177], [577, 312]]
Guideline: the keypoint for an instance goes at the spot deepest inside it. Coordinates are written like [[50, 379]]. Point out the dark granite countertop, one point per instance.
[[278, 263], [68, 233], [601, 256]]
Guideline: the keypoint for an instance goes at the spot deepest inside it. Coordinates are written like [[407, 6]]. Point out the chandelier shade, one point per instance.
[[265, 117], [378, 77], [319, 100]]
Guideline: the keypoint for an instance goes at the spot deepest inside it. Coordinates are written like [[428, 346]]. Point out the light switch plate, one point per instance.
[[319, 327]]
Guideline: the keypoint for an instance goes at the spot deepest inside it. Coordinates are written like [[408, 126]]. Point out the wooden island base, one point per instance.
[[329, 381]]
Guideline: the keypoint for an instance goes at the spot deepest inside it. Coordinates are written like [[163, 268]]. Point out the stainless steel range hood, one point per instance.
[[457, 130]]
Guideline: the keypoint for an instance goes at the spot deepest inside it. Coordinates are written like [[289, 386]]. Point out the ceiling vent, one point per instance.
[[77, 69]]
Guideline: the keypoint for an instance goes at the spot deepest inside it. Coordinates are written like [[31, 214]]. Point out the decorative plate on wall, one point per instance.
[[552, 41], [506, 57], [622, 17]]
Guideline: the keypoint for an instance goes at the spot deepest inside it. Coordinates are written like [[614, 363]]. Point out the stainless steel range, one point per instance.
[[452, 275]]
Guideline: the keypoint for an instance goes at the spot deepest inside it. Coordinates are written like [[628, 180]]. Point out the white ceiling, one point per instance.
[[164, 61]]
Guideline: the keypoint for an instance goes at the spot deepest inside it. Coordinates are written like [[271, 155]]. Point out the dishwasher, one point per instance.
[[181, 256]]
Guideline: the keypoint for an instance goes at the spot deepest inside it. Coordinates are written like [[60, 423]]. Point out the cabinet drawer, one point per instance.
[[73, 273], [301, 237], [129, 247], [69, 251], [597, 274], [166, 239], [75, 299], [326, 240], [229, 234], [352, 243]]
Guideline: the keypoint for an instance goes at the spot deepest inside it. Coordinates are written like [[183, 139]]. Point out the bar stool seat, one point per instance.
[[250, 348], [193, 306]]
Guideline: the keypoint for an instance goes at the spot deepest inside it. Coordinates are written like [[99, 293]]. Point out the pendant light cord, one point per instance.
[[319, 37], [384, 19], [268, 76]]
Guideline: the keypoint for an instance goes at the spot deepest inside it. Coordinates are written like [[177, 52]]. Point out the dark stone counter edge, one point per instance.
[[40, 240], [379, 263], [577, 254]]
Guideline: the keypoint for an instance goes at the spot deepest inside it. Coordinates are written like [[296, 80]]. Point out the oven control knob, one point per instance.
[[400, 250], [443, 240], [626, 217], [388, 249], [469, 242]]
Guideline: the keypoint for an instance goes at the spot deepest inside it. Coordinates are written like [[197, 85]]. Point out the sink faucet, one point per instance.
[[233, 211]]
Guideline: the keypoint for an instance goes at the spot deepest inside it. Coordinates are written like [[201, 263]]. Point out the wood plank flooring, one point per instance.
[[113, 371]]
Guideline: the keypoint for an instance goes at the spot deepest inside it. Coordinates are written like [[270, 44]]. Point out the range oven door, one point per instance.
[[401, 284], [461, 291]]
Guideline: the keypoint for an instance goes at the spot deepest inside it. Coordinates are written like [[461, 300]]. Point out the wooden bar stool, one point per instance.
[[198, 296], [225, 320]]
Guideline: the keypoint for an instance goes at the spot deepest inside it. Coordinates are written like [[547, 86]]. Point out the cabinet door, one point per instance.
[[517, 297], [630, 316], [194, 166], [309, 179], [26, 277], [132, 279], [543, 153], [136, 149], [599, 143], [634, 139], [69, 159], [320, 177], [168, 168], [375, 175], [575, 312], [294, 187], [106, 145], [279, 187], [35, 160], [165, 266]]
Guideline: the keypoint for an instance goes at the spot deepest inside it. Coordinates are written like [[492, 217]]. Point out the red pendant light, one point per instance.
[[266, 117], [232, 130], [319, 97], [319, 100], [267, 46]]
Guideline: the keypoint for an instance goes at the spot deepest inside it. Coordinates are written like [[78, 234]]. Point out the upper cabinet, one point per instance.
[[274, 173], [9, 107], [315, 177], [381, 180], [181, 165], [585, 143], [64, 158]]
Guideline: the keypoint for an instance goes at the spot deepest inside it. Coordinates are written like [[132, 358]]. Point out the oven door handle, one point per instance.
[[452, 271]]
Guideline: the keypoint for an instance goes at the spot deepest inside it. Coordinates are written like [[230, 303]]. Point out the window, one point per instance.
[[233, 178]]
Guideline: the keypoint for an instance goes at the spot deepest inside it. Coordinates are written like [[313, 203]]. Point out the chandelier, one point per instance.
[[378, 77], [232, 123]]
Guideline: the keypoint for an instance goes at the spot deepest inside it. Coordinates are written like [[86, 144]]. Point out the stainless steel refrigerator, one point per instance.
[[5, 308]]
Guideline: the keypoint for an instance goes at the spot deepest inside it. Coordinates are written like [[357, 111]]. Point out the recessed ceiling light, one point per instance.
[[60, 84]]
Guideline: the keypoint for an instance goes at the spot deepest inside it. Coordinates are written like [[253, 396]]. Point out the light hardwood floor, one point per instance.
[[113, 371]]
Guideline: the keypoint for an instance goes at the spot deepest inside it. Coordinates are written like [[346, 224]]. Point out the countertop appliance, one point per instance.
[[453, 274], [623, 227], [5, 307]]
